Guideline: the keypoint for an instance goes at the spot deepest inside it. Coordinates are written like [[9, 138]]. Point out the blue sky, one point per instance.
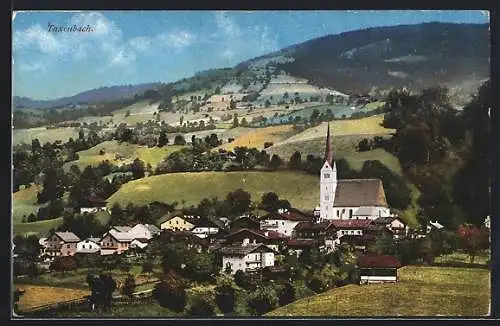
[[132, 47]]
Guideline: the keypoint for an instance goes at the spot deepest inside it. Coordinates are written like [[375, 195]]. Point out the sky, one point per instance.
[[133, 47]]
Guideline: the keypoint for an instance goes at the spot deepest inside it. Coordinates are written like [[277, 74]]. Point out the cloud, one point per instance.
[[176, 39], [37, 38], [226, 25], [33, 67], [140, 43]]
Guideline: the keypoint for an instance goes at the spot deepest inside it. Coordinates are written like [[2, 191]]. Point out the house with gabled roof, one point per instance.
[[284, 221], [246, 257], [177, 223], [115, 241], [395, 224], [144, 231], [245, 222], [272, 239], [324, 233], [90, 245], [61, 244], [206, 226]]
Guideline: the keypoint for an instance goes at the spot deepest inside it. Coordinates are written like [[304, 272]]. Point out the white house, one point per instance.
[[43, 246], [93, 205], [396, 225], [246, 257], [115, 241], [88, 246], [349, 198], [284, 221], [487, 222], [144, 231], [206, 226], [139, 243], [434, 225]]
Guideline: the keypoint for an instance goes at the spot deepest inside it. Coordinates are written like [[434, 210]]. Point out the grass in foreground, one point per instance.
[[37, 295], [421, 291], [193, 187]]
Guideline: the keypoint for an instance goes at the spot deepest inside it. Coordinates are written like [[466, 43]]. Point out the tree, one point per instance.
[[275, 162], [263, 300], [295, 162], [117, 215], [137, 169], [127, 114], [225, 297], [147, 266], [286, 294], [202, 307], [35, 145], [270, 201], [239, 202], [384, 244], [364, 145], [472, 240], [128, 286], [179, 140], [53, 185], [170, 292], [163, 139], [235, 121], [102, 289], [64, 263]]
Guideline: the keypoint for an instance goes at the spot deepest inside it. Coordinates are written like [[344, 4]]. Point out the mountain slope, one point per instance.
[[112, 93]]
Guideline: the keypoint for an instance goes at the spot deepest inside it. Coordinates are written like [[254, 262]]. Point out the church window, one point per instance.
[[326, 175], [350, 213], [338, 213], [327, 197]]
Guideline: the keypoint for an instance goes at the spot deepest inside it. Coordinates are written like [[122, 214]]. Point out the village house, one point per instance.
[[115, 241], [396, 225], [378, 268], [92, 205], [139, 243], [283, 221], [191, 240], [246, 257], [61, 244], [206, 226], [244, 222], [272, 239], [297, 246], [177, 223], [88, 246], [361, 243], [121, 228], [144, 231], [323, 232], [362, 199], [43, 246]]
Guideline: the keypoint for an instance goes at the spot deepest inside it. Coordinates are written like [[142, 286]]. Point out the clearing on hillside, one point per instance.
[[421, 291], [259, 136], [300, 189], [127, 151], [44, 135]]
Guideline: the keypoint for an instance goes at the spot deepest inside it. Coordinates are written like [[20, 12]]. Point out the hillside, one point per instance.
[[102, 94], [193, 187], [421, 291]]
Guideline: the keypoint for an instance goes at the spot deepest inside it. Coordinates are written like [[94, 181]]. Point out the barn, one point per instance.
[[378, 268]]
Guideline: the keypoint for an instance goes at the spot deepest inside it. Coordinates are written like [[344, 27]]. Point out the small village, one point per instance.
[[353, 223]]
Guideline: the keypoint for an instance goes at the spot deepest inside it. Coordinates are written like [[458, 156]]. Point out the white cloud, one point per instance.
[[140, 43], [32, 67], [176, 39], [36, 37]]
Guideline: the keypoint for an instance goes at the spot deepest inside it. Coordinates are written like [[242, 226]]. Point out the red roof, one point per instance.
[[290, 215], [381, 261], [313, 226], [351, 224]]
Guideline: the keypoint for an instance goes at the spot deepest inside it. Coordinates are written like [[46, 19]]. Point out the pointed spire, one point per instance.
[[328, 149]]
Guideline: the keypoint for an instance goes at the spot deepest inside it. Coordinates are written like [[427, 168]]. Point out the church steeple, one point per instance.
[[328, 149]]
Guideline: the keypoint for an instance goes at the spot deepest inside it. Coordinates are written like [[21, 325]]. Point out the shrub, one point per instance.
[[225, 294], [202, 307], [147, 266], [64, 263], [286, 294], [263, 300], [129, 286], [170, 292]]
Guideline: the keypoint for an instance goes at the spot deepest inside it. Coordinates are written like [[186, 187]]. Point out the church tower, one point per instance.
[[328, 182]]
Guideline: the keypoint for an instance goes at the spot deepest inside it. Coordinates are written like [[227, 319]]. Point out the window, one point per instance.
[[350, 213], [338, 213], [326, 175], [67, 246], [282, 223], [177, 222], [327, 197]]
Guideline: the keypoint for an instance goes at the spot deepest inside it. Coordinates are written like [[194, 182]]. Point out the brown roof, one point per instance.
[[381, 261], [239, 250], [358, 239], [313, 226], [301, 243], [290, 215], [351, 224], [360, 192], [68, 236], [266, 234]]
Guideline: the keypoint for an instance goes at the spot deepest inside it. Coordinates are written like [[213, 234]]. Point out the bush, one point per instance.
[[286, 294], [263, 300], [64, 263], [147, 266], [170, 292], [128, 286], [202, 307]]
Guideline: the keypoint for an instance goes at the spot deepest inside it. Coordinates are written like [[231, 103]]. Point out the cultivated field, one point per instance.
[[37, 295], [129, 152], [300, 189], [258, 137], [20, 136], [421, 291]]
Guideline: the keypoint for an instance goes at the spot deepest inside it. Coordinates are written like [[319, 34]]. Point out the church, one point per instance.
[[349, 198]]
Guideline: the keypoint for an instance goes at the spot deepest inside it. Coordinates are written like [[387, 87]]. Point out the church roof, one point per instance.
[[359, 192], [328, 149]]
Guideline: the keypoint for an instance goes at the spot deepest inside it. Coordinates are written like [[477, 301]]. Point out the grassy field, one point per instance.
[[369, 126], [300, 189], [461, 258], [38, 295], [44, 135], [24, 202], [40, 227], [421, 291], [258, 137], [129, 152]]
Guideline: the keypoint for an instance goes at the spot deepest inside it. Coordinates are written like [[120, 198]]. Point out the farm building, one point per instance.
[[92, 205], [378, 268], [246, 257], [283, 221], [115, 241], [177, 223], [61, 244]]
